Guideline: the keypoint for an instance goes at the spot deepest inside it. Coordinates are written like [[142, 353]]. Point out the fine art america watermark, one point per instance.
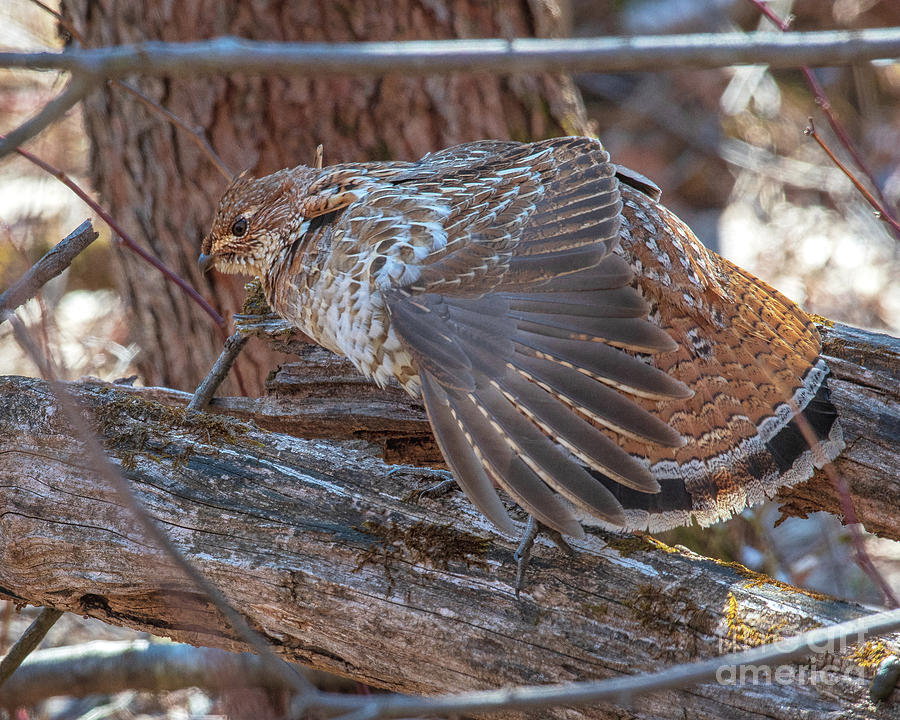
[[825, 664]]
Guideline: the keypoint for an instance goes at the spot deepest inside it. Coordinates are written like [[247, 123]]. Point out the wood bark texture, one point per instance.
[[156, 182], [324, 396], [317, 542]]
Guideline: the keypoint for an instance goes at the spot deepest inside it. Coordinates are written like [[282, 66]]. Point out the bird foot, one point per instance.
[[433, 491], [522, 555]]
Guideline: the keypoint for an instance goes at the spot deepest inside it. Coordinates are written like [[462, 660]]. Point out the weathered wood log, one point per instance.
[[865, 389], [316, 543], [323, 395]]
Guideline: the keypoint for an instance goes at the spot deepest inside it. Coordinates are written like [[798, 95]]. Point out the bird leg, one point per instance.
[[522, 555]]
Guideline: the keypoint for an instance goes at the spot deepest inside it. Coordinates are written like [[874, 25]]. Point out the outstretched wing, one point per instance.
[[517, 323]]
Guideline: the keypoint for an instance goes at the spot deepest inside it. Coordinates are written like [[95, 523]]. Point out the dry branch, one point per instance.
[[315, 541], [48, 267], [603, 54], [108, 667]]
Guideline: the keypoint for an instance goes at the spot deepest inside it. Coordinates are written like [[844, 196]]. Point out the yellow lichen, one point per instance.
[[755, 580], [821, 320], [660, 545], [871, 654], [744, 635], [626, 545]]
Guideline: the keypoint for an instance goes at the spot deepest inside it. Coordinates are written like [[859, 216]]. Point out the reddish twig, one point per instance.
[[62, 20], [783, 25], [836, 127], [850, 516], [880, 210], [123, 236], [197, 134]]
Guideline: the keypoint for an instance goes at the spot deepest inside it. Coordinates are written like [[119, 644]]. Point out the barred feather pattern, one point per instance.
[[573, 343]]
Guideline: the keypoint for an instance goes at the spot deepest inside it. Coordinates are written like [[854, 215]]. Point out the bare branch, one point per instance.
[[228, 54], [78, 87], [838, 129], [124, 237], [48, 267], [29, 640], [106, 667], [227, 358], [880, 210]]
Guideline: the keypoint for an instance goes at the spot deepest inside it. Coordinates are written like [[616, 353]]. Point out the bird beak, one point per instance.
[[206, 262]]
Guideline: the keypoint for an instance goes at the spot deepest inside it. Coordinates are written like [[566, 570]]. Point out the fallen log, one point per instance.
[[316, 542]]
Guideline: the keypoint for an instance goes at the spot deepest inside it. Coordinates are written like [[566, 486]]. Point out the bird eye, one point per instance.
[[239, 229]]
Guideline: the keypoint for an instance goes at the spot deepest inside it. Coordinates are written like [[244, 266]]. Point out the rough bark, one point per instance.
[[322, 395], [162, 189], [865, 388], [316, 542]]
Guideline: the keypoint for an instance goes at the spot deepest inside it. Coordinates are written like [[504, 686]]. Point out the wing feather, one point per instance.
[[457, 449], [514, 322], [510, 471]]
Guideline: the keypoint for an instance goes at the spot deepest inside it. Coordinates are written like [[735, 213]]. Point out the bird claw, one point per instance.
[[522, 555], [433, 491]]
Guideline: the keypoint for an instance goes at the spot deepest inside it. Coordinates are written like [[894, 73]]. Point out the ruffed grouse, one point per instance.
[[573, 342]]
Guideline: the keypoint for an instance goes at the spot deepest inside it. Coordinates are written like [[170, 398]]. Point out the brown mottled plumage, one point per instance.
[[573, 343]]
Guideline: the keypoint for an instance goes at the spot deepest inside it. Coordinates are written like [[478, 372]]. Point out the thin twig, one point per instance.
[[880, 211], [619, 690], [784, 25], [862, 556], [48, 267], [839, 130], [197, 134], [227, 358], [97, 462], [62, 20], [520, 55], [29, 640], [320, 156], [125, 238], [78, 87], [850, 516]]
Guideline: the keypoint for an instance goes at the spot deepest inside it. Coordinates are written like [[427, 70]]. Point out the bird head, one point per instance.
[[254, 220]]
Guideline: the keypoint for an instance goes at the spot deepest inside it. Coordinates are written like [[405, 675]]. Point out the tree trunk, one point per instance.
[[161, 187], [316, 542]]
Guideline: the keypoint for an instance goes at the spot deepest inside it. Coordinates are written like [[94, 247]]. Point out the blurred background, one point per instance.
[[727, 148]]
